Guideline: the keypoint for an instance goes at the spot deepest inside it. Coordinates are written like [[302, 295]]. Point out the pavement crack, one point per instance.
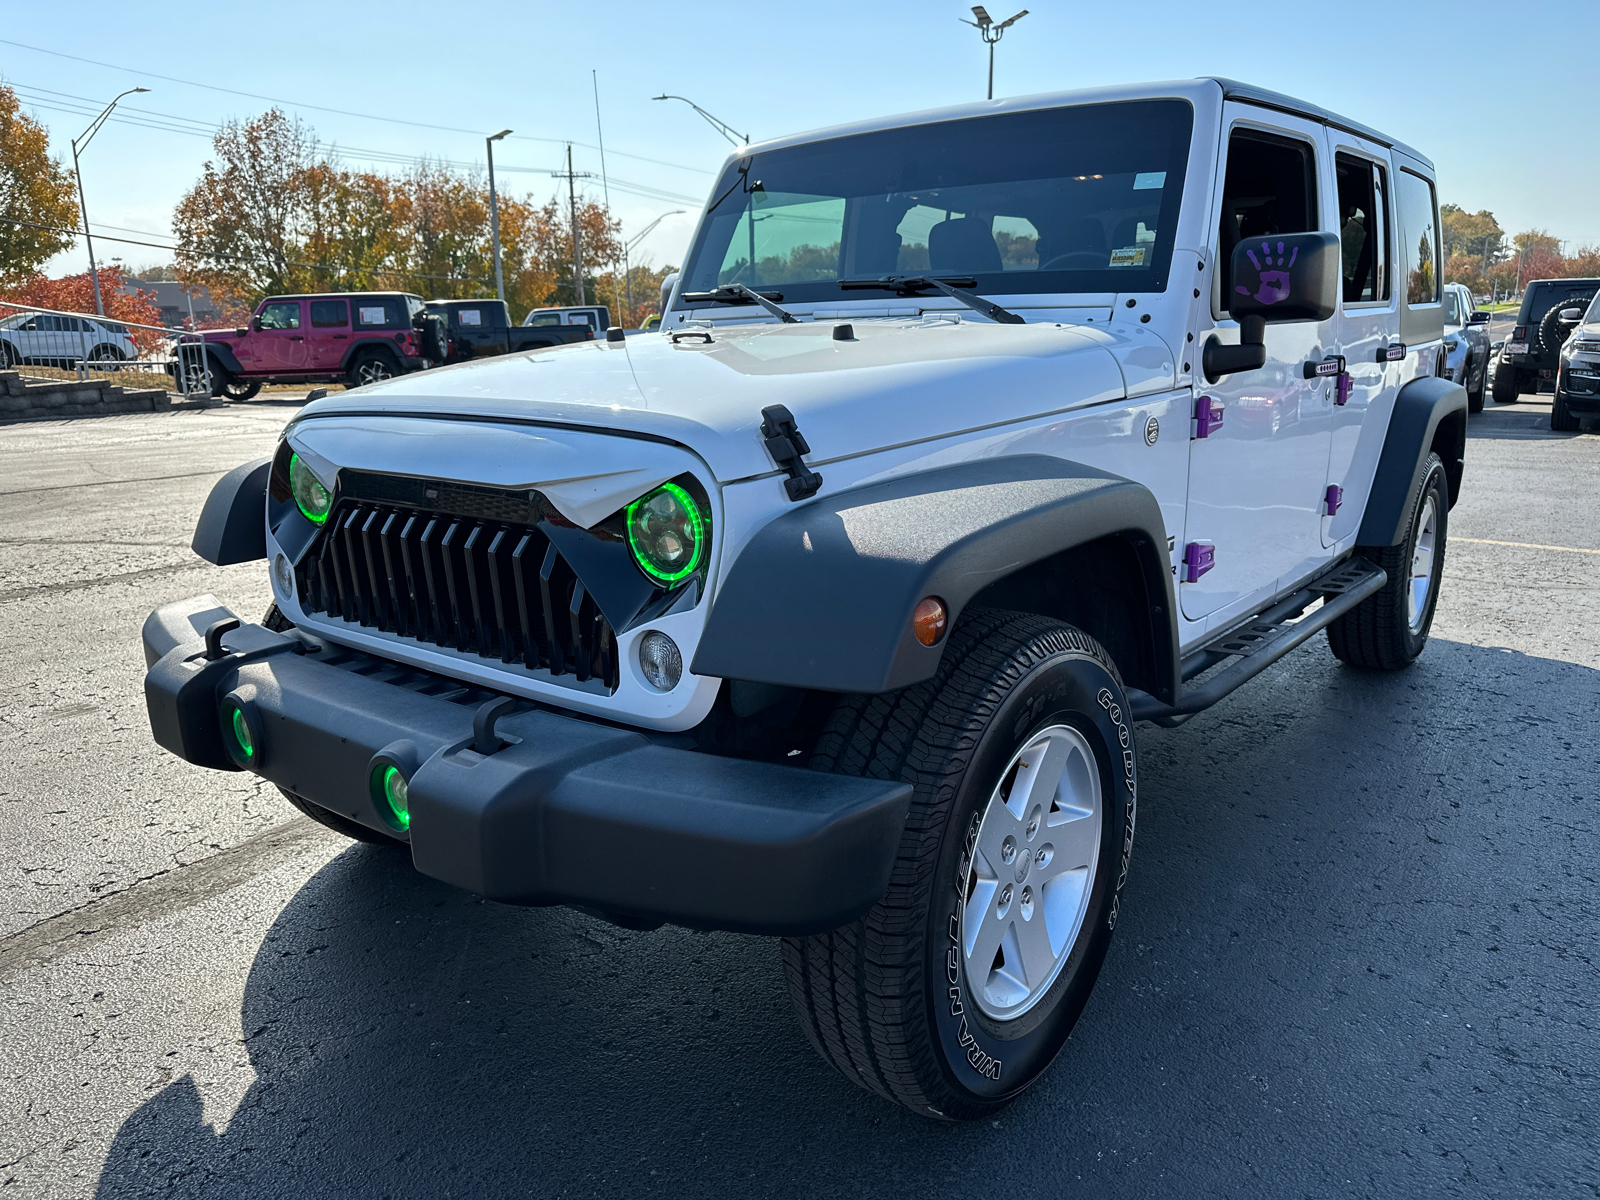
[[156, 895], [73, 585], [89, 483]]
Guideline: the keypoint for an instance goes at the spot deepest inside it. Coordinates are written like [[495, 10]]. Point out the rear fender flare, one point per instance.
[[822, 597], [1430, 415], [370, 343]]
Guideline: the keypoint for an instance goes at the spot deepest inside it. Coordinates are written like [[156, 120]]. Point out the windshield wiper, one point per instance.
[[737, 293], [910, 285]]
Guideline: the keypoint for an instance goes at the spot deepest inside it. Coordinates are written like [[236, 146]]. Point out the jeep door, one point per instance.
[[1368, 323], [279, 338], [330, 335], [1256, 482]]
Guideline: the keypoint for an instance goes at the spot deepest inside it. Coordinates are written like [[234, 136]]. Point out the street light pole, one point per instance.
[[81, 142], [991, 32], [494, 216], [627, 248], [722, 127]]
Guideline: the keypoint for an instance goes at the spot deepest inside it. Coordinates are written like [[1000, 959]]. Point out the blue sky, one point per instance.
[[1452, 80]]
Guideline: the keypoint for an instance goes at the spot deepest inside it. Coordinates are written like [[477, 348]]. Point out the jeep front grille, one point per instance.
[[490, 588]]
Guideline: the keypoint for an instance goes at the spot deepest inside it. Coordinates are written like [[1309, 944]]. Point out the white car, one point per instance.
[[828, 612], [51, 339]]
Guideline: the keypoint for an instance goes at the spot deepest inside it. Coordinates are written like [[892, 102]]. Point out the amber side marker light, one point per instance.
[[929, 619]]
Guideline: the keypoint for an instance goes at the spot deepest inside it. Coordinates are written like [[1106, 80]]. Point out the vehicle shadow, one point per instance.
[[1518, 422], [1351, 956]]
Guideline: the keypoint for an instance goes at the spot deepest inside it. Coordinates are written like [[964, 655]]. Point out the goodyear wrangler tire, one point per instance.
[[960, 986], [1389, 629]]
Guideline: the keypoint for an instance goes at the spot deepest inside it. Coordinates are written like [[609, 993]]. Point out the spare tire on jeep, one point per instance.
[[1551, 331], [435, 336]]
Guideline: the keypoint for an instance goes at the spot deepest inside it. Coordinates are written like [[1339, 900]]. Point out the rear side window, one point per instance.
[[469, 318], [1421, 234], [544, 318], [382, 313], [1271, 188], [1363, 228], [330, 314]]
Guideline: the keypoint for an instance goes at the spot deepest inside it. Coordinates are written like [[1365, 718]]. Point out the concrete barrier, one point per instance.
[[23, 399]]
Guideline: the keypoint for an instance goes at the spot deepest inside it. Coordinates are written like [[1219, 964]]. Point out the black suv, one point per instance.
[[1533, 350]]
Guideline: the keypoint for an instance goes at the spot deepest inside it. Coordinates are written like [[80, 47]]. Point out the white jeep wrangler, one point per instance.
[[969, 439]]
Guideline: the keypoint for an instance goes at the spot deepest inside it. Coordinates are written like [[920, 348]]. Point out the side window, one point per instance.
[[330, 314], [544, 318], [1363, 228], [1270, 188], [283, 315], [469, 318], [48, 324], [1421, 245], [376, 314]]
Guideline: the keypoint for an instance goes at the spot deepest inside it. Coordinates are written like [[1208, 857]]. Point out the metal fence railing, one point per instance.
[[50, 343]]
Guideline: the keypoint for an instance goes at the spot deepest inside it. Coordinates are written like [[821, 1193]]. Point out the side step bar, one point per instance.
[[1263, 640]]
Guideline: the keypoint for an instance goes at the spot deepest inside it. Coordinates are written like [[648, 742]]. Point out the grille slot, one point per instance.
[[480, 586]]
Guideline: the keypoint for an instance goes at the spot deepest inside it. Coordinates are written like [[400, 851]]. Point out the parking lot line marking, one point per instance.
[[1525, 545]]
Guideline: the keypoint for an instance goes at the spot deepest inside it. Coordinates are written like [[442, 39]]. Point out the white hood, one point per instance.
[[896, 382]]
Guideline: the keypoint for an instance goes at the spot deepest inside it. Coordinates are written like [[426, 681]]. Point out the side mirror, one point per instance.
[[255, 323], [1571, 316], [1478, 318], [1497, 345], [1285, 277]]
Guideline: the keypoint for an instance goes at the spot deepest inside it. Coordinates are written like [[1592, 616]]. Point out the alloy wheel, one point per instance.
[[1032, 871], [1423, 556]]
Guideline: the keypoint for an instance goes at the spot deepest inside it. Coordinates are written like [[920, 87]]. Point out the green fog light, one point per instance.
[[392, 793], [241, 734], [313, 499]]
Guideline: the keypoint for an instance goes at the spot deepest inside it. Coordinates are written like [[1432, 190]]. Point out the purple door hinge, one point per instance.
[[1207, 416], [1332, 498], [1198, 558], [1342, 388]]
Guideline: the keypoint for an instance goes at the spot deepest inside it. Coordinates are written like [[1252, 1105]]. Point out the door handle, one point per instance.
[[295, 337], [341, 335]]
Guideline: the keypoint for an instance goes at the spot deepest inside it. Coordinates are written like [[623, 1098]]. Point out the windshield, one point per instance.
[[1594, 310], [1078, 199]]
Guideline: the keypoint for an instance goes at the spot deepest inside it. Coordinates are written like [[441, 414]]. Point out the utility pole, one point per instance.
[[79, 143], [494, 216], [572, 178], [991, 32]]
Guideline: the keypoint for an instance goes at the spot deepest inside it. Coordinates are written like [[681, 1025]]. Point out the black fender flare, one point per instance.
[[219, 352], [233, 524], [822, 596], [368, 343], [1430, 413]]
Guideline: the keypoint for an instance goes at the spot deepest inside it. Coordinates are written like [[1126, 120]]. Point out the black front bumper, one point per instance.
[[568, 811]]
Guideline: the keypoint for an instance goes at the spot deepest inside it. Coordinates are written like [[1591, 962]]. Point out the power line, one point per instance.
[[241, 258], [343, 112], [336, 150]]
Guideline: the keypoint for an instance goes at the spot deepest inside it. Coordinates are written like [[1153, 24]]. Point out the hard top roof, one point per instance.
[[1231, 89]]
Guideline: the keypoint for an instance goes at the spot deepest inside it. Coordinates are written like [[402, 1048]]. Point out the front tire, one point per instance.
[[1388, 630], [1561, 418], [957, 990]]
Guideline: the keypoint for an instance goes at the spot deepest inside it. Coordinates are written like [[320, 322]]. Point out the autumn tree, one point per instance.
[[75, 293], [35, 190], [1477, 235]]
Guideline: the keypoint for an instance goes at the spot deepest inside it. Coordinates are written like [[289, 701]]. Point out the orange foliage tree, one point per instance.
[[75, 293]]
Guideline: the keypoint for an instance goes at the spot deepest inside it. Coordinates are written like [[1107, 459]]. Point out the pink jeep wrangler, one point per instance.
[[351, 338]]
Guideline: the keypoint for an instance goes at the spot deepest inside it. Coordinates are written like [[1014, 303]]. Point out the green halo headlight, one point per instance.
[[313, 499], [667, 534], [392, 793], [241, 734]]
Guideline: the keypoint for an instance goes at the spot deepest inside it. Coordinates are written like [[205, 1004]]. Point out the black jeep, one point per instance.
[[1532, 352]]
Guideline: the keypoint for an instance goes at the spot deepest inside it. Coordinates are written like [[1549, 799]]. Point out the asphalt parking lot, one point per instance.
[[1357, 956]]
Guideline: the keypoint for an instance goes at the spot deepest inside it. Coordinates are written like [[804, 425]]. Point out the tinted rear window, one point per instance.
[[1542, 297], [385, 312]]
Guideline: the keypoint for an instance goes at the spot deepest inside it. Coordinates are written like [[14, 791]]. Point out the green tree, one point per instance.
[[34, 188], [1475, 234]]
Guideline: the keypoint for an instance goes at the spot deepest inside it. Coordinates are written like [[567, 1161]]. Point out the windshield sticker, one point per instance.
[[1146, 180], [469, 316], [372, 316], [1129, 256]]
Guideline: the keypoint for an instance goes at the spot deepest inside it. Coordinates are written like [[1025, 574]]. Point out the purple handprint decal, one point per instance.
[[1274, 284]]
